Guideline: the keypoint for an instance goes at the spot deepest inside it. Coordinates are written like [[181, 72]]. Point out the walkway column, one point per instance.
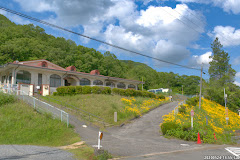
[[13, 77], [91, 82]]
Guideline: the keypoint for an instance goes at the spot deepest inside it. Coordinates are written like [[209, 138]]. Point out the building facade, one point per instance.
[[39, 73]]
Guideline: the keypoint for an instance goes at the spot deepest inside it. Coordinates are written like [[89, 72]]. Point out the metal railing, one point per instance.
[[176, 108], [80, 112], [39, 105]]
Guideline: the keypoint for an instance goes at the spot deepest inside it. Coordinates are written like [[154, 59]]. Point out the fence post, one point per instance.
[[34, 104], [67, 120], [61, 115]]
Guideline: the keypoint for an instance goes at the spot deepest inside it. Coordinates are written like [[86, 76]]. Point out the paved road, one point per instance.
[[140, 137], [27, 152], [208, 153]]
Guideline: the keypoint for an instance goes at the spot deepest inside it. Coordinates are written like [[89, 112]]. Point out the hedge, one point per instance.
[[133, 93], [73, 90]]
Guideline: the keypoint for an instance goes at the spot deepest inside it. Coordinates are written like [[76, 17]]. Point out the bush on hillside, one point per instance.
[[86, 89], [6, 98], [182, 109], [96, 90], [192, 101], [169, 126], [133, 93], [78, 89]]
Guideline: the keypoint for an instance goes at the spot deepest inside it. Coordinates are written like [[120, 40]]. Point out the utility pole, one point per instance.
[[226, 111], [200, 93], [142, 83]]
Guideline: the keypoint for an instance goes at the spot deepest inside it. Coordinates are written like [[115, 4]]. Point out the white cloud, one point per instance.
[[16, 19], [228, 36], [237, 83], [238, 74], [202, 59], [162, 32], [69, 13], [236, 61], [36, 5], [227, 5]]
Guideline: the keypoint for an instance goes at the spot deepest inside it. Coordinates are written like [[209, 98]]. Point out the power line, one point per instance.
[[100, 41], [180, 20], [222, 36]]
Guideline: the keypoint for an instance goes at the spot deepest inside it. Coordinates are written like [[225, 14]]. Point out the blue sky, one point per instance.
[[179, 31]]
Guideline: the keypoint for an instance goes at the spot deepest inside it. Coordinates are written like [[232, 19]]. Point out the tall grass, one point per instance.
[[20, 124]]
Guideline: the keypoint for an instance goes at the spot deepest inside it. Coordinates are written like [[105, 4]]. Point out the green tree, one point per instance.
[[220, 69]]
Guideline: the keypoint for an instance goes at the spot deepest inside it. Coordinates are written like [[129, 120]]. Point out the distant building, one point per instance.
[[160, 90], [42, 75]]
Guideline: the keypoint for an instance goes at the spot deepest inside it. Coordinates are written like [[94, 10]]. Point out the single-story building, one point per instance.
[[44, 76], [160, 90]]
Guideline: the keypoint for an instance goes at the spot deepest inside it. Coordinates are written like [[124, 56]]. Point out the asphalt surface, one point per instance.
[[139, 138], [28, 152]]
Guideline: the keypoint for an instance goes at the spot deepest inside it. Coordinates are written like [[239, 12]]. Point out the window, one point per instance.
[[23, 77], [121, 85], [97, 83], [131, 86], [110, 84], [55, 80], [39, 79], [3, 79], [44, 64], [84, 82], [10, 78]]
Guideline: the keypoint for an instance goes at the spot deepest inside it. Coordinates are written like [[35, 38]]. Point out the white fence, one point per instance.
[[39, 105]]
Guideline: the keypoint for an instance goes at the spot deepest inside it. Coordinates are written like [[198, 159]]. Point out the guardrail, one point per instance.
[[39, 105]]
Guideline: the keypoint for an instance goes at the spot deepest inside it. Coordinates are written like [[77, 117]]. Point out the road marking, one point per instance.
[[84, 126], [235, 151], [185, 145], [172, 152]]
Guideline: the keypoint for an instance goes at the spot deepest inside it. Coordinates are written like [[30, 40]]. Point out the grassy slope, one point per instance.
[[103, 106], [21, 125], [208, 120]]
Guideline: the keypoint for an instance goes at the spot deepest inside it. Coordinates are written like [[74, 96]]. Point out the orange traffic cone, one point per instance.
[[215, 137], [198, 139]]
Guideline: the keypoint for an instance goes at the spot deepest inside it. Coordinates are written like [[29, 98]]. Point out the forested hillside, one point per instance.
[[29, 42]]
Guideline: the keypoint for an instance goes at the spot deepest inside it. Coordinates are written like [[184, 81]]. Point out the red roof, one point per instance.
[[50, 65]]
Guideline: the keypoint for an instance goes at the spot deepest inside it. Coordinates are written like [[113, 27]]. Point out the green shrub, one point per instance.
[[62, 91], [105, 90], [169, 126], [186, 127], [96, 90], [6, 98], [192, 101], [182, 109], [115, 91], [104, 156], [160, 96], [86, 89], [55, 94], [190, 135], [71, 90], [130, 92], [78, 89]]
